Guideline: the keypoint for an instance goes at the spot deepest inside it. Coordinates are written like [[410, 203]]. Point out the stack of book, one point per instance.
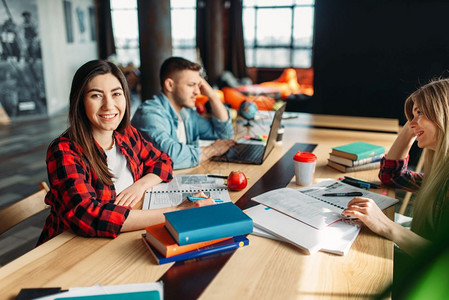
[[197, 232], [358, 156]]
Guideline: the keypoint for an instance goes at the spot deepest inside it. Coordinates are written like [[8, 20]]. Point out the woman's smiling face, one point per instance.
[[424, 129], [105, 103]]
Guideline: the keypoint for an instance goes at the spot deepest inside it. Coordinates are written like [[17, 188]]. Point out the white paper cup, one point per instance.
[[280, 135], [305, 163]]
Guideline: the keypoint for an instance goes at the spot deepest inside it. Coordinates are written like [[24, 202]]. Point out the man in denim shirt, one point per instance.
[[170, 120]]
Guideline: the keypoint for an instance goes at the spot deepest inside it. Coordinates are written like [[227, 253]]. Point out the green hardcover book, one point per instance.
[[358, 150]]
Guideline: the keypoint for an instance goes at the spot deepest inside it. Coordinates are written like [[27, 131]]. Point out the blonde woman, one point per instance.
[[427, 111]]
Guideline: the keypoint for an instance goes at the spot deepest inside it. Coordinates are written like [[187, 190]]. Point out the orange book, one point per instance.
[[160, 238]]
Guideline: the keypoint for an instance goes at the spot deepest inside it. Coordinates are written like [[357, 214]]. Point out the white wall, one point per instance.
[[61, 59]]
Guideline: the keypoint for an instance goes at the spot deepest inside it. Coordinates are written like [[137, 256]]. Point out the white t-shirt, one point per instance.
[[118, 165], [181, 131]]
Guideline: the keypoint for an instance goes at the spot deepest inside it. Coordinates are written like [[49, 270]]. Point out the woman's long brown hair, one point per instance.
[[80, 128]]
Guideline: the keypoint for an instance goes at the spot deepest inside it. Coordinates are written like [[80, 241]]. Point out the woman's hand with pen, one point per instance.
[[367, 211], [191, 204]]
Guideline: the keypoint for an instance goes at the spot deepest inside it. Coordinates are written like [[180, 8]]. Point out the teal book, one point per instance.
[[358, 150], [207, 223], [146, 295], [209, 251]]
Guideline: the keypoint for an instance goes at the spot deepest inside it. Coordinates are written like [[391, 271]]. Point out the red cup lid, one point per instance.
[[304, 157]]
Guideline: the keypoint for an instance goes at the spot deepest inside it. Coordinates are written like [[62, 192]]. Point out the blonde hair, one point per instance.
[[433, 101]]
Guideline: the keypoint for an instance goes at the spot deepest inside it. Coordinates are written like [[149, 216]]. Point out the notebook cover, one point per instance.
[[206, 223]]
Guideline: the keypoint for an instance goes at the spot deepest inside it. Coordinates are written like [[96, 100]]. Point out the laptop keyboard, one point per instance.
[[246, 152]]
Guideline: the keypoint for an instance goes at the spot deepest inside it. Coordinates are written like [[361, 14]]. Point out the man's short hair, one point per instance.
[[175, 64]]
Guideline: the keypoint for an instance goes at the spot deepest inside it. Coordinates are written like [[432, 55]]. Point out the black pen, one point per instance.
[[351, 194], [218, 176], [372, 185], [363, 185]]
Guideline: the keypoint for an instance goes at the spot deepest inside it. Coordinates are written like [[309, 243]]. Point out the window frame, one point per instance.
[[174, 48], [291, 46]]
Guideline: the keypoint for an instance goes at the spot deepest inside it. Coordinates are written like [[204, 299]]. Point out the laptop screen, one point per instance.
[[274, 131]]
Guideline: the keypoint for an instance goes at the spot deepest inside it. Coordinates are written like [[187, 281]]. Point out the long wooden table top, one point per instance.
[[347, 122], [265, 269], [386, 125]]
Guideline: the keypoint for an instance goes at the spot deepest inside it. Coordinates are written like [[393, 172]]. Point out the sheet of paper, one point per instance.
[[171, 199], [335, 244], [339, 237], [336, 238], [301, 207], [309, 206], [333, 186], [297, 233], [194, 182], [173, 193]]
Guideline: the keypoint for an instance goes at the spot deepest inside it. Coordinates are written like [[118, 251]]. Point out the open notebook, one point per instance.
[[309, 220], [173, 193]]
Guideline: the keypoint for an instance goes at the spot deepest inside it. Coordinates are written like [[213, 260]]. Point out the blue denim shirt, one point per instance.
[[158, 122]]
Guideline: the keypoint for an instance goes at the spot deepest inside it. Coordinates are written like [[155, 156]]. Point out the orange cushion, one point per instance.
[[233, 97], [287, 83]]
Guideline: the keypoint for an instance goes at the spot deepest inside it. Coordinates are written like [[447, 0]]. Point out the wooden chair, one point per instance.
[[23, 209]]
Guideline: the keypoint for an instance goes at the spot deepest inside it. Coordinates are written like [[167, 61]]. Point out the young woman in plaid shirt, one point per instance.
[[427, 111], [101, 166]]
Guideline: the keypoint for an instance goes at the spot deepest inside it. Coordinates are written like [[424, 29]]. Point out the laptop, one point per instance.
[[252, 153]]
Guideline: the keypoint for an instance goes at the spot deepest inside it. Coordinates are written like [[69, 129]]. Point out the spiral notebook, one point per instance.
[[174, 192], [309, 206]]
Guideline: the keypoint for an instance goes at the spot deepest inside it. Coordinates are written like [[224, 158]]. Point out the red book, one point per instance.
[[160, 238]]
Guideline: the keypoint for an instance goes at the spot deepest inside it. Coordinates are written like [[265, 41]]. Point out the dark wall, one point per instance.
[[370, 55]]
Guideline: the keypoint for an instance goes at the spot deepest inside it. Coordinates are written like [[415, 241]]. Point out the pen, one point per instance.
[[192, 198], [351, 194], [372, 185], [221, 176], [359, 184], [218, 176]]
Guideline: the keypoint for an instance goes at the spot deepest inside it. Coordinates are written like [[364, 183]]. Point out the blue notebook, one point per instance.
[[211, 250], [207, 223]]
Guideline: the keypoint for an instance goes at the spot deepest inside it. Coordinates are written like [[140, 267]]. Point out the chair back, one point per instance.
[[23, 209]]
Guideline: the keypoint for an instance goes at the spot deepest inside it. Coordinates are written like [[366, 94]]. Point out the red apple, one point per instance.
[[237, 181]]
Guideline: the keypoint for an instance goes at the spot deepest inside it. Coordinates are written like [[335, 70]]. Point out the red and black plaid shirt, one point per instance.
[[79, 201], [394, 172]]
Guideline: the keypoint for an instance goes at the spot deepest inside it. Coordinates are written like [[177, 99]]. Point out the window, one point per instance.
[[183, 28], [278, 34], [126, 30]]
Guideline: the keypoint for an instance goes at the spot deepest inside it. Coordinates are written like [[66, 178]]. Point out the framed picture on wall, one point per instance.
[[68, 21], [22, 88], [93, 32]]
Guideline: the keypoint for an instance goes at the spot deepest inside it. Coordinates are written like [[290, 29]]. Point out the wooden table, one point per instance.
[[266, 269], [369, 124]]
